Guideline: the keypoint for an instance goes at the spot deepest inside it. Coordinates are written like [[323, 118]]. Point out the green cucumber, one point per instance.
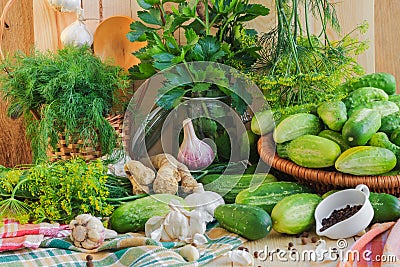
[[335, 137], [366, 160], [381, 80], [312, 151], [386, 207], [248, 221], [380, 139], [281, 150], [267, 195], [395, 99], [132, 216], [395, 137], [295, 126], [333, 114], [390, 123], [295, 214], [263, 122], [229, 185], [364, 95], [360, 126], [384, 107]]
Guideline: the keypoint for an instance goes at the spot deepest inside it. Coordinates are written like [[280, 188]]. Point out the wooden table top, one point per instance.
[[286, 257]]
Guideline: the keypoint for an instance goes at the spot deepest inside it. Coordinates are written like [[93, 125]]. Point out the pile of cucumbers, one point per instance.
[[358, 135]]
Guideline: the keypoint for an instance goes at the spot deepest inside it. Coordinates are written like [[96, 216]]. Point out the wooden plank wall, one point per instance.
[[387, 45], [18, 35]]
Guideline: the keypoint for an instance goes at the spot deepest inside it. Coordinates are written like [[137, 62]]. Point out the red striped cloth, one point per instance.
[[379, 247], [15, 236]]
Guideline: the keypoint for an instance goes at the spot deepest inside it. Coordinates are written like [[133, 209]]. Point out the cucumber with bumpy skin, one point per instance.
[[386, 207], [248, 221], [360, 126], [312, 151], [267, 195], [390, 123], [132, 216], [366, 160], [333, 114], [295, 214], [364, 95], [335, 137], [229, 185], [295, 126], [384, 107], [380, 139], [395, 137], [263, 122], [381, 80]]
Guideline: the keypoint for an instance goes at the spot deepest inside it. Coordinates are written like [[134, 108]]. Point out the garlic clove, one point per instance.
[[76, 34], [193, 152], [154, 227], [199, 239], [190, 253], [90, 244], [94, 234], [176, 225], [108, 234], [241, 258], [80, 233]]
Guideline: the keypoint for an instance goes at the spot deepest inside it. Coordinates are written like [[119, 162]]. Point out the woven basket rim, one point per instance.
[[266, 149]]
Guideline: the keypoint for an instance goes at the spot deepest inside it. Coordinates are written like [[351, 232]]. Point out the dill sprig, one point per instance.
[[66, 93]]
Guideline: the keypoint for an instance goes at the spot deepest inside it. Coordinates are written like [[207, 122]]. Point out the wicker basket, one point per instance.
[[324, 180], [66, 151]]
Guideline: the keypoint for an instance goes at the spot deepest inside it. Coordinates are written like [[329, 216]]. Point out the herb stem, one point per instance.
[[126, 198]]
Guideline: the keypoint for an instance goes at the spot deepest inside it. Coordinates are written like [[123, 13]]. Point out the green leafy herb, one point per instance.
[[213, 30], [297, 67], [59, 191], [67, 94]]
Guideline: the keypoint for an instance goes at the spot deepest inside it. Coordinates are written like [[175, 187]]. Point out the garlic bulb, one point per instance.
[[88, 232], [193, 152], [204, 200], [66, 5], [178, 225], [76, 34]]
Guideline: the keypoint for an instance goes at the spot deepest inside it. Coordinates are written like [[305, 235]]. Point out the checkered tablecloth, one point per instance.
[[125, 250]]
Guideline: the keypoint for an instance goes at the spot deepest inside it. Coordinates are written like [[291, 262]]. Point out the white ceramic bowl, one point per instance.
[[352, 225]]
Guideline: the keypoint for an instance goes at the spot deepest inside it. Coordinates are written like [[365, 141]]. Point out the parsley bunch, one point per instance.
[[211, 30]]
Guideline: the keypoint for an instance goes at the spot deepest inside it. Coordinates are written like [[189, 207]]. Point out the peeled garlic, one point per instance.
[[76, 34], [66, 5], [190, 253]]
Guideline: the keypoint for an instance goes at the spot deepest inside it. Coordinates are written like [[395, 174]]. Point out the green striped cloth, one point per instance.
[[125, 250]]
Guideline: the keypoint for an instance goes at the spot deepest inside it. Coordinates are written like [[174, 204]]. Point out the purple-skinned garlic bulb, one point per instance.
[[193, 152]]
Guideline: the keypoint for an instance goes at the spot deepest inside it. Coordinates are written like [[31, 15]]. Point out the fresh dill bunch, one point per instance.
[[297, 67], [65, 93]]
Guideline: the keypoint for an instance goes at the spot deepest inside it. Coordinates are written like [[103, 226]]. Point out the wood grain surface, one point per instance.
[[18, 35], [300, 257], [387, 45]]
